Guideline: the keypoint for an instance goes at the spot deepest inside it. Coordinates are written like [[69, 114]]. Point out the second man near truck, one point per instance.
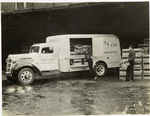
[[131, 57], [89, 59]]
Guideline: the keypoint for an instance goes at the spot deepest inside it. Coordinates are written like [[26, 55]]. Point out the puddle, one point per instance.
[[17, 89]]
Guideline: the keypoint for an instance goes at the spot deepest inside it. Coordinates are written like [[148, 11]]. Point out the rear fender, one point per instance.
[[102, 62]]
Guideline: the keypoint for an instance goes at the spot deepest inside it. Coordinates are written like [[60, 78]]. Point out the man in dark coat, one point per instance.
[[87, 53], [131, 57]]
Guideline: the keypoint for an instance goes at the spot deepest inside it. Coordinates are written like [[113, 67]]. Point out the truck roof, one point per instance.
[[39, 44], [81, 35]]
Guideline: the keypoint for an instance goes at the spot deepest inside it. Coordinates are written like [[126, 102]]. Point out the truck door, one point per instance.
[[49, 60]]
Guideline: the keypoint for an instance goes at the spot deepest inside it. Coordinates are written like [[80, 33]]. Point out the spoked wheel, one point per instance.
[[100, 69], [26, 76]]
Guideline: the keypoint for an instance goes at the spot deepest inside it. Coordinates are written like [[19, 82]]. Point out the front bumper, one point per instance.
[[8, 74]]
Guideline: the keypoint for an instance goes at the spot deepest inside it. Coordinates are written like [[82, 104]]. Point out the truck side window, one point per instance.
[[47, 50]]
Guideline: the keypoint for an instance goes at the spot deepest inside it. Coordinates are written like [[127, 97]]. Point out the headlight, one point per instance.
[[9, 60], [6, 60]]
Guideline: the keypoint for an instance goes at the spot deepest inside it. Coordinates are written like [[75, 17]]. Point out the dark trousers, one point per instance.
[[129, 72], [90, 63]]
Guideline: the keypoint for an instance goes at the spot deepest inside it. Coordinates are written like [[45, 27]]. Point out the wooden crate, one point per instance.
[[141, 46], [146, 72], [137, 59], [146, 45], [146, 61], [137, 55], [146, 57], [137, 65], [123, 77], [145, 48], [137, 74], [137, 50], [146, 67], [146, 77]]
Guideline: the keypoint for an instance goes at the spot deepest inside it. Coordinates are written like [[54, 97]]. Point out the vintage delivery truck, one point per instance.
[[65, 53]]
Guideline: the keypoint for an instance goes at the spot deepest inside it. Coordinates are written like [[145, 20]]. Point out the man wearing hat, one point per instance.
[[131, 57], [87, 53]]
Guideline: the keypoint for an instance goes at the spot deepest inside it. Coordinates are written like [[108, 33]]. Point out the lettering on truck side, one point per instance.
[[109, 52], [112, 45], [106, 43], [47, 61]]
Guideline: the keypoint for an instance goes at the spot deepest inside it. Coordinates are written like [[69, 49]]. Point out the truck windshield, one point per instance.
[[34, 49]]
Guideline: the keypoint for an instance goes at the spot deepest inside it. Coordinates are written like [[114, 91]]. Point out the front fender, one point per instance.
[[25, 65]]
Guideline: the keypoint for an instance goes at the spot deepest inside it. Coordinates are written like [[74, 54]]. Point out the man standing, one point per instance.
[[87, 53], [131, 57]]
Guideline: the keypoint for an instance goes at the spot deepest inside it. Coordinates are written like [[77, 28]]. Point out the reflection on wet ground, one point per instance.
[[76, 96]]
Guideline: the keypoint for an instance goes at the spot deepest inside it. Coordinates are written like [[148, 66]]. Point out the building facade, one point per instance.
[[20, 6]]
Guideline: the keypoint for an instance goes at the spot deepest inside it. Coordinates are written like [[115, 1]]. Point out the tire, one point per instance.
[[26, 76], [100, 69], [11, 79]]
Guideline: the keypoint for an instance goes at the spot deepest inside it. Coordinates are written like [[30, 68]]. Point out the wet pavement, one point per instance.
[[69, 95]]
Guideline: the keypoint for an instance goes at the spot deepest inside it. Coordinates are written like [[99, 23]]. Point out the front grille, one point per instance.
[[8, 68], [9, 61], [9, 65]]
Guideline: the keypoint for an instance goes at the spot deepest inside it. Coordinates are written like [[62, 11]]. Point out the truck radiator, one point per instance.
[[8, 69]]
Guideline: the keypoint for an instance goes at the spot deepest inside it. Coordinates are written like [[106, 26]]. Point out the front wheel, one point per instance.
[[100, 69], [25, 76]]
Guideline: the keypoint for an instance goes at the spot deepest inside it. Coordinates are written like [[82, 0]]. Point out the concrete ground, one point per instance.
[[76, 95]]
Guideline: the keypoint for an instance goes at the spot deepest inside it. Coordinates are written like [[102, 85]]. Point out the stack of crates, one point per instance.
[[145, 59], [145, 46], [146, 67], [138, 64]]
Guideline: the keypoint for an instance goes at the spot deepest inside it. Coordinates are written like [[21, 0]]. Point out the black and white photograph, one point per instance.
[[75, 58]]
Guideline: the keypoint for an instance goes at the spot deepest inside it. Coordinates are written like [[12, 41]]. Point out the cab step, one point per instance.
[[52, 72]]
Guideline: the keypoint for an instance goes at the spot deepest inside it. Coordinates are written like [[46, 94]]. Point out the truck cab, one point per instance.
[[47, 59], [41, 58]]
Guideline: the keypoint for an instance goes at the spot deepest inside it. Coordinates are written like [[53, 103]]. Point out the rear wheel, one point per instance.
[[26, 76], [100, 69]]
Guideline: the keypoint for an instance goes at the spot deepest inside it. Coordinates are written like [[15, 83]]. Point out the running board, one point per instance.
[[52, 72]]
